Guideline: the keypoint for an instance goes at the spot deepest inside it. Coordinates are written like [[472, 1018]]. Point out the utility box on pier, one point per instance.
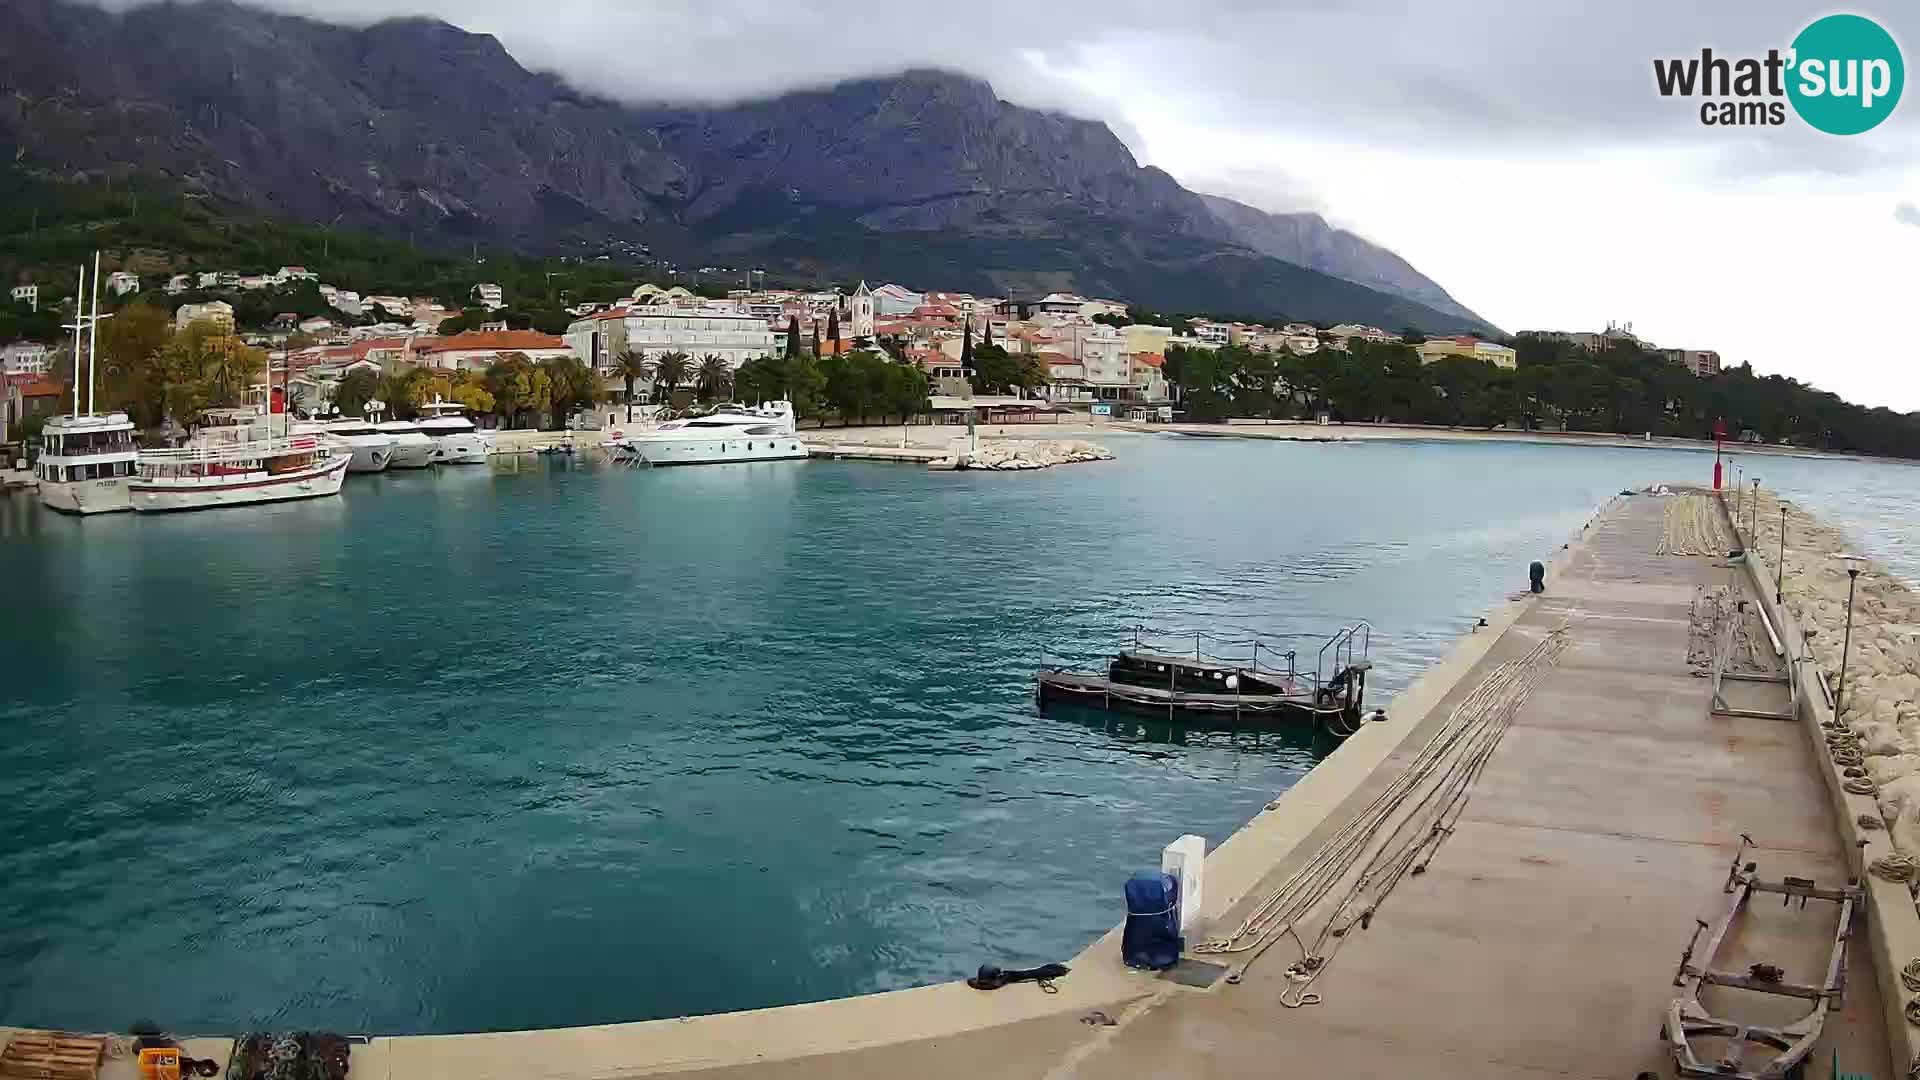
[[1184, 859]]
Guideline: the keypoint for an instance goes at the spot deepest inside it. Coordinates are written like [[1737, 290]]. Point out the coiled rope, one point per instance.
[[1910, 978], [1896, 866], [1857, 785], [1396, 834]]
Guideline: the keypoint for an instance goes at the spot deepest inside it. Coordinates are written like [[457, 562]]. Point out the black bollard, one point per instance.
[[1537, 575]]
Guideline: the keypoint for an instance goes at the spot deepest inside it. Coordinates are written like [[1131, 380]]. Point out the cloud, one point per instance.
[[1505, 75], [1907, 214]]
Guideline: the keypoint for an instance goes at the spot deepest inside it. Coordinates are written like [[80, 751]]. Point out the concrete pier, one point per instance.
[[1541, 942]]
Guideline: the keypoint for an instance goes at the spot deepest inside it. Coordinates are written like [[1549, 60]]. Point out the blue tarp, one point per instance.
[[1152, 939]]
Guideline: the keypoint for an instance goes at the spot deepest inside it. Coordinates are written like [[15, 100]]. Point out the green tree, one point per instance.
[[207, 367], [572, 386], [906, 390], [133, 373], [793, 337], [713, 379], [519, 387], [763, 378], [354, 390], [805, 388], [670, 370], [470, 390], [630, 367]]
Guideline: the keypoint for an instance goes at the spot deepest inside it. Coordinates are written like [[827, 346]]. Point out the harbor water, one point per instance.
[[491, 748]]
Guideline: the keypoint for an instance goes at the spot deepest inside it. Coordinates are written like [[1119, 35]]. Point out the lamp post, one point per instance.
[[1753, 513], [1846, 639], [1780, 567]]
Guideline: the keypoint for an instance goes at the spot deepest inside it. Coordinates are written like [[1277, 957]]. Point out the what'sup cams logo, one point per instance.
[[1843, 75]]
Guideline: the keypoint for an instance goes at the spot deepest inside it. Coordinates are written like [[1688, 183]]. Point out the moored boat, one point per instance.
[[732, 433], [86, 463], [373, 450], [1255, 693], [457, 441], [235, 460], [411, 448]]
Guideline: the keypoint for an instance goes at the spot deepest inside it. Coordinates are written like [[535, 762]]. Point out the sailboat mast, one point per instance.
[[79, 311], [93, 333]]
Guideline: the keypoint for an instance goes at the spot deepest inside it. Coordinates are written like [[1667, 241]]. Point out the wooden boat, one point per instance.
[[1243, 692]]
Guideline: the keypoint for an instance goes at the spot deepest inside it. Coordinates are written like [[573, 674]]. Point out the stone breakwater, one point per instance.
[[1017, 455], [1881, 700]]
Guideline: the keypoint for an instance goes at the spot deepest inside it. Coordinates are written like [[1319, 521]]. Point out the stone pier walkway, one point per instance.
[[1543, 940]]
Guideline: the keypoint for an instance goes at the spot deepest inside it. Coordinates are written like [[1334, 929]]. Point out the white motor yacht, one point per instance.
[[733, 433], [457, 440], [412, 449], [235, 459], [372, 449], [85, 463]]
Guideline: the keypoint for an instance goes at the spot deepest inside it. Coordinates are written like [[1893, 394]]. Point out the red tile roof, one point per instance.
[[1057, 359], [504, 340], [1151, 359]]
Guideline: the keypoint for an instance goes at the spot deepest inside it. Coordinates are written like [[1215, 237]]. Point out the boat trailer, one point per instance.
[[1688, 1019]]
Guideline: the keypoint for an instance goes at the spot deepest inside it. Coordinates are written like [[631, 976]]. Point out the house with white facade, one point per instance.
[[316, 326], [218, 312], [179, 283], [346, 301], [711, 329], [295, 273], [891, 299], [120, 283], [28, 295], [208, 279], [489, 296], [24, 358], [1217, 333]]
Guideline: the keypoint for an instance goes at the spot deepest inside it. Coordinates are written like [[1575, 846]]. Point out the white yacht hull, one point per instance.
[[244, 489], [106, 496], [370, 458], [656, 451], [412, 455], [460, 449]]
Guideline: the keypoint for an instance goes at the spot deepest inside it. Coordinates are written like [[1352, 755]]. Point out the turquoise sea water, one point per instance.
[[497, 749]]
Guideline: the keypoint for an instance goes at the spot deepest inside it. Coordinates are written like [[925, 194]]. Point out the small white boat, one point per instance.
[[86, 463], [457, 440], [411, 448], [734, 433], [235, 460]]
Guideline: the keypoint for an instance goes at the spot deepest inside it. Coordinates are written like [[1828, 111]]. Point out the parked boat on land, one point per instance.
[[236, 460], [732, 433], [458, 441], [86, 463], [1263, 689]]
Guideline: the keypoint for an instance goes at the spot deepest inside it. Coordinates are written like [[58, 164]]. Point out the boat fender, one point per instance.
[[1233, 682]]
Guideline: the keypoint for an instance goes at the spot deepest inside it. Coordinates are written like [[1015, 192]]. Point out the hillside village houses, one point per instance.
[[1498, 355], [218, 312], [28, 295], [24, 358], [120, 283], [1701, 363], [489, 296]]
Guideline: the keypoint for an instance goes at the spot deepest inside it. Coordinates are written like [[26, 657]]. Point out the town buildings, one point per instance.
[[1701, 363], [476, 350], [1435, 348], [28, 295], [489, 296], [120, 283]]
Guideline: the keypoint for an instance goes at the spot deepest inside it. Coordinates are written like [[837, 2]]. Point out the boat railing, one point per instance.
[[1348, 646], [251, 450], [1260, 654]]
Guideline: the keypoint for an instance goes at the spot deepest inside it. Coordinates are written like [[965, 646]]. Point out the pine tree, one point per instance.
[[986, 332], [793, 337], [816, 339], [833, 328], [966, 345]]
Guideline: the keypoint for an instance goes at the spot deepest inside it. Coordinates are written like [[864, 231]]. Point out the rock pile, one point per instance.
[[1038, 454], [1881, 703]]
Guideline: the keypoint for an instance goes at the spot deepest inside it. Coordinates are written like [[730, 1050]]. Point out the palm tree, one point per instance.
[[669, 371], [713, 380], [631, 367]]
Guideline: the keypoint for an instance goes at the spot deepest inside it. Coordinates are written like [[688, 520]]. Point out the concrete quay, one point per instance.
[[1542, 942]]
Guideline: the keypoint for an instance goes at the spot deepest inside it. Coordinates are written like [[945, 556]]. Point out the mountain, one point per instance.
[[1306, 239], [415, 125]]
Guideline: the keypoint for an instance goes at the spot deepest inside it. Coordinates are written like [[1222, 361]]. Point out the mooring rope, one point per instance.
[[1896, 866], [1394, 835]]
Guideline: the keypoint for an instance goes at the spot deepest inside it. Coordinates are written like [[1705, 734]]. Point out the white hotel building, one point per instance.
[[733, 335]]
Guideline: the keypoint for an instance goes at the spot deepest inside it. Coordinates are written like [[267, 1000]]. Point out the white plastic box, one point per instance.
[[1184, 859]]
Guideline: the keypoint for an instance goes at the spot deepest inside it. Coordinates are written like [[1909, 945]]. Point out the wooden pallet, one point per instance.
[[52, 1055]]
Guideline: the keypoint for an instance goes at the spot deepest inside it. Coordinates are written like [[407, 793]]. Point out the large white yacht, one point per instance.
[[457, 440], [373, 450], [85, 463], [733, 433], [235, 459], [412, 449]]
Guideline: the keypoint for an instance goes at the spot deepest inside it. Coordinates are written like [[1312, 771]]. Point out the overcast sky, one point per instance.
[[1514, 151]]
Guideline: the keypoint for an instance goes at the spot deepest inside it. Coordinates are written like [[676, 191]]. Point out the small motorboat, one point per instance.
[[1266, 690]]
